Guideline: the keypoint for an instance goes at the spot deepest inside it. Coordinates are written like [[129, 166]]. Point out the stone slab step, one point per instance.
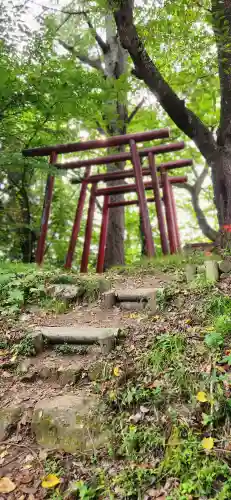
[[105, 337], [138, 296], [70, 423], [134, 295], [133, 306]]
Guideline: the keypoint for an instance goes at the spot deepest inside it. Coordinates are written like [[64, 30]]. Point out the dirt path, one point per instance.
[[53, 373]]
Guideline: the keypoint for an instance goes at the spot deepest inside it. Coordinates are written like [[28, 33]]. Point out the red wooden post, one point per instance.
[[169, 213], [46, 212], [103, 235], [88, 230], [77, 221], [149, 244], [177, 232], [159, 211]]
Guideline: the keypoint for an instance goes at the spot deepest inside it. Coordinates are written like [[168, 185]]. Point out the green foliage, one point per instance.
[[214, 340], [21, 285], [25, 347], [166, 350], [139, 440], [222, 324], [69, 349], [53, 466], [218, 305]]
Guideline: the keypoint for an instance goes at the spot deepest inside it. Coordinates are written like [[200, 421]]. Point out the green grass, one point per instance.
[[22, 284], [168, 263]]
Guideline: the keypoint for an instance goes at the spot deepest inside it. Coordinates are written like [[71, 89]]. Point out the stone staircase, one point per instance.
[[62, 418]]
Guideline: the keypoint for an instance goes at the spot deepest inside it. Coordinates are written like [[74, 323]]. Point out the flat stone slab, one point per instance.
[[75, 335], [70, 423], [135, 294]]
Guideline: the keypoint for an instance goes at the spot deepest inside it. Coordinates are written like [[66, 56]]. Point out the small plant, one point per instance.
[[25, 347], [214, 340], [141, 440], [68, 349], [3, 344], [53, 466], [85, 491], [218, 305], [200, 283], [166, 350], [164, 296], [222, 324]]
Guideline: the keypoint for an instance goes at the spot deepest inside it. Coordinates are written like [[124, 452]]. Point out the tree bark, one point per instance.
[[115, 60], [26, 236], [194, 191], [217, 153]]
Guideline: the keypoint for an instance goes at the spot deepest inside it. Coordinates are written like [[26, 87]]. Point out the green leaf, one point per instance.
[[214, 340]]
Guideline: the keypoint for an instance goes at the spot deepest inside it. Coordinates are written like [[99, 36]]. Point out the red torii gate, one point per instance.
[[139, 187]]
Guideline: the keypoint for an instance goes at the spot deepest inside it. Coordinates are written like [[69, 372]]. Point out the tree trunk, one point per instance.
[[217, 153], [221, 177], [115, 60], [18, 189], [26, 235], [142, 237]]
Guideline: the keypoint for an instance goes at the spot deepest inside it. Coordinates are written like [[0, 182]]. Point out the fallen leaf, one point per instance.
[[143, 409], [208, 443], [201, 396], [112, 395], [50, 481], [136, 418], [43, 454], [154, 385], [4, 453], [134, 315], [29, 458], [6, 485], [116, 371], [3, 352]]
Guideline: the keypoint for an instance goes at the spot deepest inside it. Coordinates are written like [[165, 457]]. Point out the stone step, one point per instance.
[[134, 295], [138, 296], [105, 337], [133, 306], [70, 423], [63, 369]]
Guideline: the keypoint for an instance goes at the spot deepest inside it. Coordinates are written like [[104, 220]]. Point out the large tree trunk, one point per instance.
[[18, 189], [115, 65], [217, 153]]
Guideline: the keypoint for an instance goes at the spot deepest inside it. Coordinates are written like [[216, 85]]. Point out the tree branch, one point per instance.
[[104, 46], [145, 69], [135, 110], [93, 63], [194, 191], [100, 129]]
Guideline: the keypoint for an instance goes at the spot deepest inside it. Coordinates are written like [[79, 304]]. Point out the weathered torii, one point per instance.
[[139, 187]]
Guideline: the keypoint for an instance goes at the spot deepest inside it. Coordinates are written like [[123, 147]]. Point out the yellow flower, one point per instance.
[[116, 371], [208, 443], [201, 396], [50, 481]]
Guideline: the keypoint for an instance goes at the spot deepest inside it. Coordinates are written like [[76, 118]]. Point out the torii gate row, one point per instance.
[[134, 156], [170, 208]]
